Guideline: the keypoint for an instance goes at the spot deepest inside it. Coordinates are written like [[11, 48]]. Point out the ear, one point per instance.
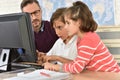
[[79, 22]]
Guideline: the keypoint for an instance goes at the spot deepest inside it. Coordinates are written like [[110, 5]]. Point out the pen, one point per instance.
[[45, 74]]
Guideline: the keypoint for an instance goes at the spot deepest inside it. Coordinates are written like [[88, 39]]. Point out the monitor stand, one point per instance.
[[4, 60]]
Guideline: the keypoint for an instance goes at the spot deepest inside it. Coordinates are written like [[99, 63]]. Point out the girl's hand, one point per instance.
[[52, 67]]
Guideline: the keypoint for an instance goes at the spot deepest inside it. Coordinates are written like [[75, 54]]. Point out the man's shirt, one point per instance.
[[45, 38]]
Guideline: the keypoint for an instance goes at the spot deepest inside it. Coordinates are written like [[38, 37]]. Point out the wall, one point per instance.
[[13, 6], [9, 6]]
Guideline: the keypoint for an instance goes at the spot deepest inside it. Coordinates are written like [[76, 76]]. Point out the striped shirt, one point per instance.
[[92, 55]]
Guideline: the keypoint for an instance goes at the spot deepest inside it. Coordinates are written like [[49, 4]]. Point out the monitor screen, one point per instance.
[[16, 32]]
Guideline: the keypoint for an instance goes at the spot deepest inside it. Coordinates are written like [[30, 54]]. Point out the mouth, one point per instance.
[[35, 21]]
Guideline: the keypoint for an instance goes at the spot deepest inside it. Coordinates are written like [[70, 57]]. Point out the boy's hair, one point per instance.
[[58, 14], [79, 10], [26, 2]]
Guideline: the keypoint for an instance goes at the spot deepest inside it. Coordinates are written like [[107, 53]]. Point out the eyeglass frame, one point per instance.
[[35, 13]]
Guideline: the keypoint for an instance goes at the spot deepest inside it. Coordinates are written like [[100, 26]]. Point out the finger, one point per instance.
[[39, 62], [37, 51], [44, 59], [40, 55], [44, 64]]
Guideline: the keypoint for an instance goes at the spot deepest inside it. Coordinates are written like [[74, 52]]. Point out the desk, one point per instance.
[[90, 75], [14, 73], [86, 75]]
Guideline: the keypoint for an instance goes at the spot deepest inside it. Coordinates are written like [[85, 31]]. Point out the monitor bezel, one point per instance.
[[26, 33]]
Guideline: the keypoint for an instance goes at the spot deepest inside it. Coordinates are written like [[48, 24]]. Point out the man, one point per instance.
[[45, 35]]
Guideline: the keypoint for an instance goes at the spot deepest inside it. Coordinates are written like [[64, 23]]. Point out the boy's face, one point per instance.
[[72, 26], [35, 13], [60, 30]]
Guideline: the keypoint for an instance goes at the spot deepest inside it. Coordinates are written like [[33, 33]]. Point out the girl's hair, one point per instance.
[[58, 14], [26, 2], [79, 10]]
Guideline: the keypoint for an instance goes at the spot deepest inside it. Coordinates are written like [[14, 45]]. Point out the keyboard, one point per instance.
[[21, 66]]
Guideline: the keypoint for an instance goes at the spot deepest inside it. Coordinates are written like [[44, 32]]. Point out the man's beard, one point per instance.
[[36, 27]]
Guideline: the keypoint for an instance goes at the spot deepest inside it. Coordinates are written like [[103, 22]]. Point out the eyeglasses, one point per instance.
[[35, 13]]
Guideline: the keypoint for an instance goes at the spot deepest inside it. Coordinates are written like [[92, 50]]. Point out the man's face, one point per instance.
[[36, 15]]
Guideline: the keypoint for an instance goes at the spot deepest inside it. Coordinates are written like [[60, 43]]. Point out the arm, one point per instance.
[[52, 55], [63, 60], [86, 49], [56, 58]]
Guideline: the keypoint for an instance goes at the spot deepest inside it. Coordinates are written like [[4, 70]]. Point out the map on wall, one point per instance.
[[103, 10]]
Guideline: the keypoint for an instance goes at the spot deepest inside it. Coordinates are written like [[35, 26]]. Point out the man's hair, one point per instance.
[[26, 2], [58, 14]]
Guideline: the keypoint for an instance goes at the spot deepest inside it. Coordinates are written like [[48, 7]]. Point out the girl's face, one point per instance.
[[60, 30], [72, 26]]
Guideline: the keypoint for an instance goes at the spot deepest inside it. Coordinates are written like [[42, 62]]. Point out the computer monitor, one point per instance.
[[16, 32]]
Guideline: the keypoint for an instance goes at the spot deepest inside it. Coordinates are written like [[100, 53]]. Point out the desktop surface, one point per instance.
[[86, 75], [15, 73], [19, 66], [92, 75]]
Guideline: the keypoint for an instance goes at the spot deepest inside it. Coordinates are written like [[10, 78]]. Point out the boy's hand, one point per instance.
[[40, 57], [50, 58]]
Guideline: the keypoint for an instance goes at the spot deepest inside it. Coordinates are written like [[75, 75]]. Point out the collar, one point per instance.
[[42, 27], [74, 38]]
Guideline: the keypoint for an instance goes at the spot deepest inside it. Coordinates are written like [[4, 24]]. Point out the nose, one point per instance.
[[57, 32], [66, 26], [33, 16]]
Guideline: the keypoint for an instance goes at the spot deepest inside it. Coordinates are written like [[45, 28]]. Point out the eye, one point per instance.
[[60, 27], [36, 13], [67, 22]]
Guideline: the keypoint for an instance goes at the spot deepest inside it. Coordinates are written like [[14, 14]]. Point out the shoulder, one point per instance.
[[74, 38], [47, 26], [56, 47], [59, 41], [46, 23], [90, 38]]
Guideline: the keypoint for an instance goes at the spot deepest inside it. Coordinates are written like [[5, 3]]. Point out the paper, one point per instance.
[[35, 75]]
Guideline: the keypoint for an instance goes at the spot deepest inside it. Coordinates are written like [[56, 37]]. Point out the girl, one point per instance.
[[92, 53]]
